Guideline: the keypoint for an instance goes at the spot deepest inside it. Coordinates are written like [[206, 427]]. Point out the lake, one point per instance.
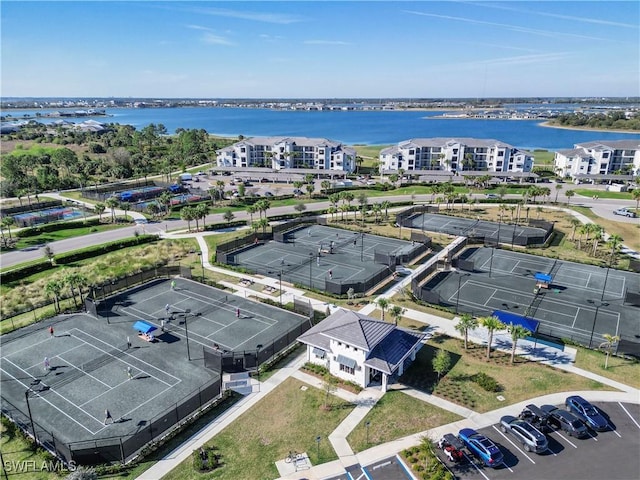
[[350, 127]]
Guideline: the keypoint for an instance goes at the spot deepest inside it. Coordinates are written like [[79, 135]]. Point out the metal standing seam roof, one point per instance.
[[391, 352]]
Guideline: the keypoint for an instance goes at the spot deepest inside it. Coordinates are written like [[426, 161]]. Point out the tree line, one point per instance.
[[616, 120]]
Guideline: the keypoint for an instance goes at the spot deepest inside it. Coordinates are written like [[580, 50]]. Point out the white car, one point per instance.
[[371, 182], [625, 212]]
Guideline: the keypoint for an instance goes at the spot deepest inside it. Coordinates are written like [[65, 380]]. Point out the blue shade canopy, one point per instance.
[[543, 277], [143, 326], [509, 318]]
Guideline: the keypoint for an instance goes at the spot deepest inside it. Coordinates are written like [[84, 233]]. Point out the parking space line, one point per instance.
[[616, 432], [592, 436], [567, 440], [627, 412], [516, 446], [470, 460]]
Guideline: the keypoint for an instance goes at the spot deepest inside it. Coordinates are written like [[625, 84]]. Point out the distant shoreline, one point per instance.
[[587, 129]]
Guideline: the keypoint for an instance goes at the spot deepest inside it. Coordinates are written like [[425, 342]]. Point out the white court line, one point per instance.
[[136, 359], [231, 324], [28, 387], [630, 416], [72, 365], [57, 355], [516, 446]]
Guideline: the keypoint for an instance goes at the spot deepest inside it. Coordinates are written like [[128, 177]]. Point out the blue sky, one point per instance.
[[324, 49]]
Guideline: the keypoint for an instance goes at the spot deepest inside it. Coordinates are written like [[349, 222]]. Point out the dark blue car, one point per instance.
[[586, 412], [481, 447]]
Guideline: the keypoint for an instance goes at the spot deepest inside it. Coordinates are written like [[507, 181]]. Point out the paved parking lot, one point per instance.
[[611, 455]]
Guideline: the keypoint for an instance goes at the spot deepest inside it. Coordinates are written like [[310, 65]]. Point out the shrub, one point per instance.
[[486, 382]]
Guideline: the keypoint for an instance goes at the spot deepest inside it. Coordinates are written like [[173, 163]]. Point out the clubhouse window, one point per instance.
[[347, 369]]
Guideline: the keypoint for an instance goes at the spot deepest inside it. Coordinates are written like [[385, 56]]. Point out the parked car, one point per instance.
[[297, 191], [268, 194], [481, 447], [264, 180], [492, 196], [566, 421], [586, 412], [625, 212], [536, 417], [452, 447], [532, 439], [371, 182]]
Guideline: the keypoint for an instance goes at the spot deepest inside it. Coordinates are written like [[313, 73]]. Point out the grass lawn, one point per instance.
[[16, 449], [397, 415], [519, 382], [630, 232], [288, 418], [619, 369], [49, 237], [604, 194]]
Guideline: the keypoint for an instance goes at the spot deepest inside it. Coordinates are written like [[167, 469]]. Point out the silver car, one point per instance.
[[529, 436]]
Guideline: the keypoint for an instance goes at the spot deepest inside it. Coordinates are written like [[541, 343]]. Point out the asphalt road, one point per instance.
[[601, 207]]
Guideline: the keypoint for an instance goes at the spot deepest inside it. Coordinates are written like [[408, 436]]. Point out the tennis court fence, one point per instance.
[[121, 449]]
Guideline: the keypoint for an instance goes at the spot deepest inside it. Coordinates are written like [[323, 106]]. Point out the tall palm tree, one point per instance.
[[610, 341], [383, 304], [517, 332], [54, 288], [386, 205], [377, 209], [264, 223], [569, 194], [597, 236], [396, 312], [491, 324], [614, 243], [202, 210], [575, 223], [112, 203], [558, 187], [75, 280], [99, 208], [251, 209], [635, 194], [332, 210], [8, 221], [467, 322], [325, 185]]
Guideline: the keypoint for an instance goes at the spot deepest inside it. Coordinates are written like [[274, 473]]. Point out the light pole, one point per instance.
[[186, 332], [604, 287], [258, 348], [201, 264], [310, 269], [460, 275], [33, 427], [595, 316], [494, 248], [318, 438], [367, 425], [362, 248]]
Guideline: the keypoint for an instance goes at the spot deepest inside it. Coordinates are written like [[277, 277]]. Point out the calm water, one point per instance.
[[350, 127]]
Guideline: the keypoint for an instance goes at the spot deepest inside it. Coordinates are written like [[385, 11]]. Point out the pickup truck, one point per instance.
[[625, 212]]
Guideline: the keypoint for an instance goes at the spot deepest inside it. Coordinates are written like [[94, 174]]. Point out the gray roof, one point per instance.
[[611, 145], [443, 141], [348, 327], [574, 152]]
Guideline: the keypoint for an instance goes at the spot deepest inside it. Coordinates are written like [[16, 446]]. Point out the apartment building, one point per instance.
[[455, 155], [288, 152], [599, 158]]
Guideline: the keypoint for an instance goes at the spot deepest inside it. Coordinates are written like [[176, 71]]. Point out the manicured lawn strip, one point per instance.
[[603, 194], [397, 415], [519, 382], [287, 419], [16, 449], [620, 369], [49, 237]]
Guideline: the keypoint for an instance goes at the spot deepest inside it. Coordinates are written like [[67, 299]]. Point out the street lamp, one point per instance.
[[460, 275], [318, 438], [595, 316], [33, 427], [367, 425], [362, 248], [310, 269], [201, 264], [494, 247], [604, 287], [186, 332]]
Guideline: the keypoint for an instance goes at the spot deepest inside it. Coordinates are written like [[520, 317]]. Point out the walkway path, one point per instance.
[[367, 399]]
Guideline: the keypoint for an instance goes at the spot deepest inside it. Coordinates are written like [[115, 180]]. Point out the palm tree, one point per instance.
[[228, 216], [575, 223], [334, 198], [187, 214], [264, 223], [491, 324], [377, 210], [251, 209], [635, 194], [344, 208], [517, 332], [126, 206], [610, 341], [99, 209], [467, 322], [569, 194], [202, 210], [383, 303], [112, 203], [386, 205], [597, 236], [75, 281], [165, 200], [614, 242], [325, 185], [558, 187], [332, 210], [310, 187], [396, 312], [7, 221], [54, 288]]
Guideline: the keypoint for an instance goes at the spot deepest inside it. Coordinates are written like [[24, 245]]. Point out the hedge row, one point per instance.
[[70, 257], [55, 227]]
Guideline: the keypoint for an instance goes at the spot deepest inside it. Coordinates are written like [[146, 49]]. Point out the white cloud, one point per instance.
[[213, 39], [266, 17], [515, 28]]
